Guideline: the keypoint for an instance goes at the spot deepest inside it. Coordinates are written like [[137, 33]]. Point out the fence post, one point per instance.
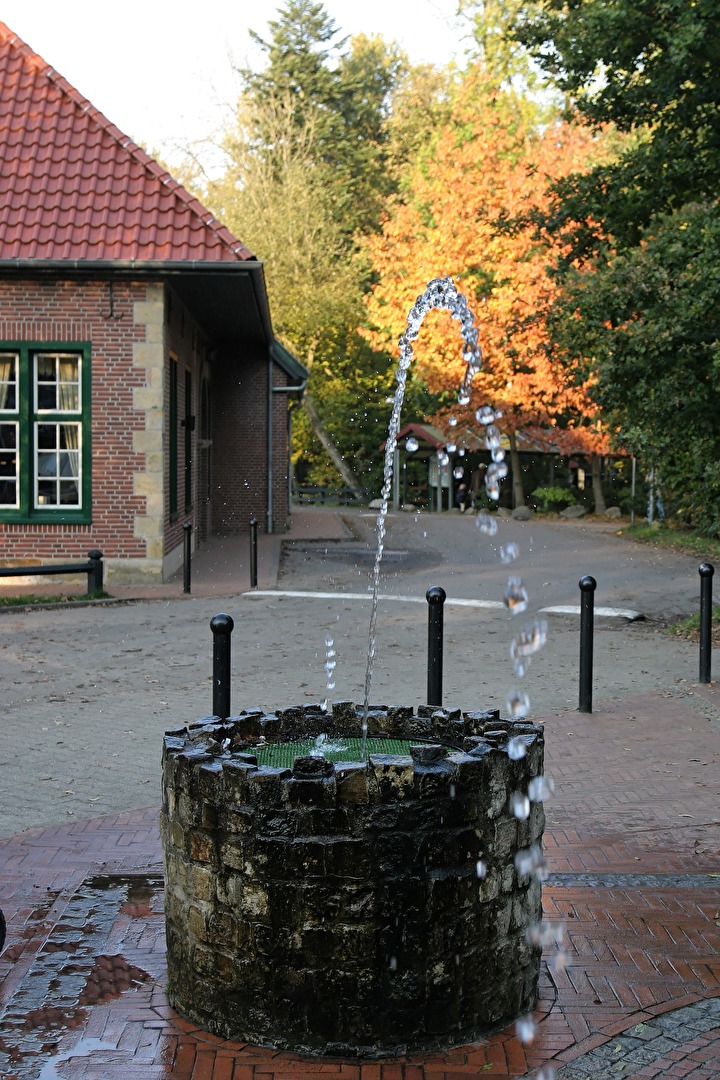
[[95, 573], [187, 556], [435, 597], [222, 627], [587, 610], [253, 552], [706, 575]]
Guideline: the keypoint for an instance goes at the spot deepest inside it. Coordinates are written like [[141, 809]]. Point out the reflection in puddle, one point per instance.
[[72, 972]]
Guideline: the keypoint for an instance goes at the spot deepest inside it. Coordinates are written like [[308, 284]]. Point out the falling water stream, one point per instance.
[[440, 294]]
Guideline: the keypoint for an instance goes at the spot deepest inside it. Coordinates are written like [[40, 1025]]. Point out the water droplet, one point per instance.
[[520, 806], [330, 665], [461, 452], [516, 598], [529, 860], [393, 963], [411, 444], [329, 642], [546, 934], [508, 552], [530, 639], [463, 397], [492, 437], [442, 457], [486, 523], [520, 667], [525, 1029], [492, 489], [330, 684], [452, 421], [495, 472], [558, 962], [518, 704], [485, 414], [540, 788], [481, 869], [497, 454], [458, 472], [450, 447], [452, 791], [324, 705], [547, 1073], [516, 748]]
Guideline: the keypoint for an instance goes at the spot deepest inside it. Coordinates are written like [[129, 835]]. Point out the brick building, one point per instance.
[[141, 385]]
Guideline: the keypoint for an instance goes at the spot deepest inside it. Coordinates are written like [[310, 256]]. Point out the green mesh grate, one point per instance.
[[284, 754]]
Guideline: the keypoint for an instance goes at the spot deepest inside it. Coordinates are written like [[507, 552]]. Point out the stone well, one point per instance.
[[360, 908]]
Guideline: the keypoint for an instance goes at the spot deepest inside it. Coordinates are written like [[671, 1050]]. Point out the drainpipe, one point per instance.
[[299, 390]]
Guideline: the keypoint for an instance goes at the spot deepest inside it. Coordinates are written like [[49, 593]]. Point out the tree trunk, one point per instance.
[[518, 491], [595, 462], [331, 449]]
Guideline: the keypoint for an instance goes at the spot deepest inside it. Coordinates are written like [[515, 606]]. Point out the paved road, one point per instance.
[[88, 692]]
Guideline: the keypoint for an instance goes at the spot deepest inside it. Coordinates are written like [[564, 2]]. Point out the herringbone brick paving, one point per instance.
[[637, 801]]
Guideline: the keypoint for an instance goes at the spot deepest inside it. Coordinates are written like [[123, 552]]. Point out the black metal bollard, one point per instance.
[[587, 610], [222, 627], [435, 597], [253, 552], [187, 555], [95, 573], [706, 570]]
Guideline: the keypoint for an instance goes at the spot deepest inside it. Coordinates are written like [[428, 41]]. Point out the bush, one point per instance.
[[553, 498]]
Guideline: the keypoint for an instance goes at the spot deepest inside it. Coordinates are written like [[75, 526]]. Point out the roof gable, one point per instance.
[[72, 186]]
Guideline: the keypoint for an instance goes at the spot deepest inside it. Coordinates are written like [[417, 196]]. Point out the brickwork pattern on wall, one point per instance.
[[86, 312]]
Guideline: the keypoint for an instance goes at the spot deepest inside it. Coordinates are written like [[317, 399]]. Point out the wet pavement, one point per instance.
[[632, 839]]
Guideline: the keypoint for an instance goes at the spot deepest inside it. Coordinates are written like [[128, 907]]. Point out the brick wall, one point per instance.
[[134, 331], [80, 312], [239, 448]]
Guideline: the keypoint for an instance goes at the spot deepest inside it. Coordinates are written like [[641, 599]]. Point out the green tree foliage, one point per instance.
[[648, 327], [639, 308], [651, 68]]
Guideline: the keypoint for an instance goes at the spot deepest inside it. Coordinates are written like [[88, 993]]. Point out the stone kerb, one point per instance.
[[358, 908]]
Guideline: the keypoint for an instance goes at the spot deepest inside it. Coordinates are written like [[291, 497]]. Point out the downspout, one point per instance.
[[270, 477], [299, 390]]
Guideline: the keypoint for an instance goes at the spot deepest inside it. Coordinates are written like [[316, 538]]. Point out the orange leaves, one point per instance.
[[469, 214]]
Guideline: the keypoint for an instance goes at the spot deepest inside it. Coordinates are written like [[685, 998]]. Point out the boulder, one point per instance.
[[522, 513], [575, 511]]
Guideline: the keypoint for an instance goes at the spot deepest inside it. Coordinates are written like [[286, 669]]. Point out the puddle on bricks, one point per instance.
[[74, 970]]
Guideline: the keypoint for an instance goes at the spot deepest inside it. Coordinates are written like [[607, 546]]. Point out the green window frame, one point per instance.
[[45, 432]]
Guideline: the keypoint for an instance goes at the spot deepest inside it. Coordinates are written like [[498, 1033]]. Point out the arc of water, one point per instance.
[[440, 294]]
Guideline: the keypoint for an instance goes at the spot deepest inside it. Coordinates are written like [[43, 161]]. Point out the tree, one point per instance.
[[648, 329], [650, 68], [634, 311], [487, 173]]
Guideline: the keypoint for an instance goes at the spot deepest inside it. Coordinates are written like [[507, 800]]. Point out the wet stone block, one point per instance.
[[357, 908]]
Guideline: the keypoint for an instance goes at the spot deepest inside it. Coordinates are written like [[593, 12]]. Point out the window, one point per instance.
[[44, 433]]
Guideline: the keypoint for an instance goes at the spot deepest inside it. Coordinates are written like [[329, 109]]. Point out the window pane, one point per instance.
[[46, 368], [8, 383], [46, 397], [47, 436], [8, 465], [69, 493], [46, 493], [47, 464]]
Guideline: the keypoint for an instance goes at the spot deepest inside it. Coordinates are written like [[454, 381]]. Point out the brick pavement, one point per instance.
[[633, 990]]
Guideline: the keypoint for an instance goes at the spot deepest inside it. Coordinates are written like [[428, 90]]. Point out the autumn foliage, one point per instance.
[[469, 213]]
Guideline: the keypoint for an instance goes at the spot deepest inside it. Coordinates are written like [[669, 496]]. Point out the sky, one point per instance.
[[162, 70]]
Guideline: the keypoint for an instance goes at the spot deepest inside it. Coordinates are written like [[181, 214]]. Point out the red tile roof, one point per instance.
[[72, 186]]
